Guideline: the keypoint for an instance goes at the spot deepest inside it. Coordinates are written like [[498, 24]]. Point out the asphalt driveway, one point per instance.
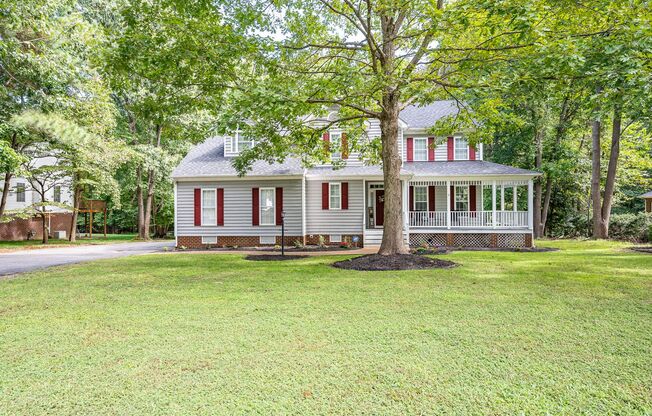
[[27, 260]]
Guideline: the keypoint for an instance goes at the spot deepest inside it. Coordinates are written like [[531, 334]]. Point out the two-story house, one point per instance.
[[451, 196]]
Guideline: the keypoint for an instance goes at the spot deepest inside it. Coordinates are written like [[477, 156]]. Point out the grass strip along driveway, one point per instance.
[[565, 332]]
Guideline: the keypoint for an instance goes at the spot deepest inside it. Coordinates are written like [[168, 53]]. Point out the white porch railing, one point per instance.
[[468, 219]]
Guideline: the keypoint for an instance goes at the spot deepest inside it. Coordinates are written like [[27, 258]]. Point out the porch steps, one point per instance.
[[373, 237]]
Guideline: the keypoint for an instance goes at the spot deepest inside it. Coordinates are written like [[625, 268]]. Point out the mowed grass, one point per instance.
[[567, 332], [97, 239]]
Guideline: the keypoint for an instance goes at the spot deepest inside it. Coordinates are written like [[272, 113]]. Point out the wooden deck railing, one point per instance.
[[469, 219]]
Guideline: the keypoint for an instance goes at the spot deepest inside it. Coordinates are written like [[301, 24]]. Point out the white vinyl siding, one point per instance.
[[238, 208], [420, 148], [267, 206], [327, 221], [335, 195], [208, 207]]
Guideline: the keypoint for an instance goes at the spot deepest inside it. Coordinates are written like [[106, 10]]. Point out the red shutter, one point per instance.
[[431, 198], [410, 149], [452, 198], [279, 206], [411, 199], [324, 195], [345, 195], [197, 207], [431, 149], [327, 140], [472, 198], [255, 206], [345, 147], [451, 148], [220, 206], [471, 152]]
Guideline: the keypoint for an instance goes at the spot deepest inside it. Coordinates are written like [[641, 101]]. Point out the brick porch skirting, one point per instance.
[[254, 241], [489, 240], [18, 229]]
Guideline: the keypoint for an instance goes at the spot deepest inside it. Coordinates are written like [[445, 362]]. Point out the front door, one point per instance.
[[380, 207]]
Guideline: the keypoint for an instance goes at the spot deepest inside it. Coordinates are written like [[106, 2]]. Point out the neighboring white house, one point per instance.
[[451, 196], [23, 194]]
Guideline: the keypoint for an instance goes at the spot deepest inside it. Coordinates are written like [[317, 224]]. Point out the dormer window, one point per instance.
[[242, 142], [336, 145], [461, 149]]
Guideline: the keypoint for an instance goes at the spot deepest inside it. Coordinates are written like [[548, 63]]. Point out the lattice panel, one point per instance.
[[510, 240], [431, 240], [471, 240]]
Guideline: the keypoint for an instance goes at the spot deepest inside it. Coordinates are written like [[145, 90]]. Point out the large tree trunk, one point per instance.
[[546, 206], [610, 181], [538, 162], [595, 180], [76, 201], [151, 178], [44, 228], [5, 192]]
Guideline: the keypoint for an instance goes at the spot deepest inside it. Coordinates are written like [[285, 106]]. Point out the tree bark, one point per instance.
[[538, 162], [595, 179], [5, 193], [151, 178], [610, 181], [76, 200], [141, 206]]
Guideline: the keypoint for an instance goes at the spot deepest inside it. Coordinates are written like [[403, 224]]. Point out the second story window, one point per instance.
[[461, 149], [336, 145], [420, 149], [335, 193], [57, 193], [20, 192], [243, 143]]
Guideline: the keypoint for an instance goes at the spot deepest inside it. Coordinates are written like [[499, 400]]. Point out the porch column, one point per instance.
[[406, 208], [448, 204], [515, 198], [530, 204], [364, 206], [502, 197], [493, 203]]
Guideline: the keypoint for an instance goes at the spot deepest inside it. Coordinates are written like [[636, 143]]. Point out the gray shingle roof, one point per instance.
[[462, 168], [207, 159], [356, 170], [647, 195], [421, 117]]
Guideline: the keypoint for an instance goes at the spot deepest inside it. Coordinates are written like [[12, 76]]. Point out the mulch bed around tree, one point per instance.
[[376, 262], [273, 257], [647, 250]]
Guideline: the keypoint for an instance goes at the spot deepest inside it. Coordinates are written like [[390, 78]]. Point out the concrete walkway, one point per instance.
[[22, 261]]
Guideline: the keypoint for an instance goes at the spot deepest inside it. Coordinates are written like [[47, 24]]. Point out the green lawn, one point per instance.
[[566, 332], [97, 239]]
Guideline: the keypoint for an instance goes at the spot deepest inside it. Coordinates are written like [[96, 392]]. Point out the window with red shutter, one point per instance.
[[279, 206], [197, 204], [255, 206], [220, 206], [345, 195], [410, 149], [431, 149], [324, 195]]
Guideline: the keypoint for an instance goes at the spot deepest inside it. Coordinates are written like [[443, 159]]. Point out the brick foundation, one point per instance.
[[19, 229], [313, 239], [254, 241]]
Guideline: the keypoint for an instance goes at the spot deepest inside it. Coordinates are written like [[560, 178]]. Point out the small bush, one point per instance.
[[631, 227], [321, 241], [298, 244]]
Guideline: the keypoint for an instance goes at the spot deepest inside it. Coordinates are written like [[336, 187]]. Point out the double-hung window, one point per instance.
[[267, 206], [57, 193], [461, 198], [20, 192], [209, 207], [243, 142], [421, 198], [335, 195], [461, 149], [420, 149], [336, 145]]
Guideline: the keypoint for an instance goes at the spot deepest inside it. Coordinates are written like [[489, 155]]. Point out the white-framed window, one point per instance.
[[335, 143], [209, 240], [335, 238], [267, 206], [20, 192], [209, 207], [421, 198], [461, 149], [241, 142], [461, 198], [335, 195], [420, 148], [57, 193]]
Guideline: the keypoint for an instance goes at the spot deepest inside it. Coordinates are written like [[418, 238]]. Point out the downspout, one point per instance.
[[176, 233]]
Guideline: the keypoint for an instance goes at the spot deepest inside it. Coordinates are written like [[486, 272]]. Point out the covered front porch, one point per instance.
[[467, 204]]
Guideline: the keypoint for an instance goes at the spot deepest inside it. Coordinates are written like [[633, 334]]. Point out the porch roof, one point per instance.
[[462, 168]]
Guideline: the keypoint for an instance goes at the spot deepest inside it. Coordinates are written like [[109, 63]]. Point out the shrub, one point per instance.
[[298, 244], [631, 227], [321, 242]]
